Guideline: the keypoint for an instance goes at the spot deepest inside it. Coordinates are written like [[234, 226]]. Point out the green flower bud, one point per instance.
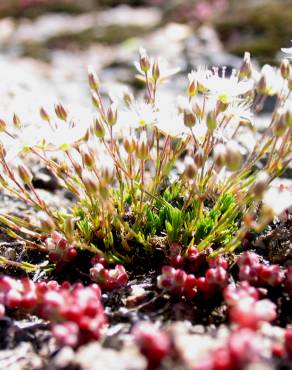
[[112, 115], [211, 120], [93, 79]]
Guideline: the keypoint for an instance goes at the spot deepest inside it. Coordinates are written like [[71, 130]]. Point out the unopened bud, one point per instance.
[[245, 69], [24, 174], [262, 85], [44, 115], [211, 120], [3, 126], [87, 158], [98, 128], [261, 183], [190, 167], [189, 118], [61, 112], [199, 158], [192, 88], [285, 69], [280, 125], [93, 79], [142, 149], [16, 121], [108, 174], [219, 155], [112, 115], [290, 83], [155, 71], [144, 61], [288, 118], [90, 184], [129, 144], [233, 156], [46, 223]]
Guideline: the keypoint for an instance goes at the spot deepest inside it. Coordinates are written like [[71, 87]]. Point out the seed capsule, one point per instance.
[[98, 128], [93, 79], [3, 126], [285, 69], [189, 118], [261, 183], [90, 183], [25, 174], [16, 121], [142, 150], [61, 112], [211, 120], [156, 71], [144, 61], [245, 69], [112, 115], [219, 155], [199, 158], [44, 115], [233, 156], [190, 167]]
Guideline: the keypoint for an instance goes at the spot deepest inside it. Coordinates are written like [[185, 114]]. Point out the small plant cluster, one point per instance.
[[131, 200], [75, 311], [107, 278], [194, 273]]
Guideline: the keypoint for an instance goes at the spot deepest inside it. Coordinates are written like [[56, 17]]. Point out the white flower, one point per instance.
[[287, 51], [217, 83], [139, 114], [273, 78]]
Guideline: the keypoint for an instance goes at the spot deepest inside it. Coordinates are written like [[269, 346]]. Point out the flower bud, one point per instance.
[[108, 174], [144, 61], [189, 118], [190, 167], [87, 158], [44, 115], [61, 112], [16, 121], [233, 156], [155, 71], [24, 174], [142, 149], [245, 69], [46, 223], [288, 118], [261, 183], [90, 183], [280, 124], [98, 128], [112, 115], [93, 79], [3, 126], [285, 69], [211, 120], [199, 158], [192, 89], [290, 83], [129, 144], [262, 85], [219, 155]]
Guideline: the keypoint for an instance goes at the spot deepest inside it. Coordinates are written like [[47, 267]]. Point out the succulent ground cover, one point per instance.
[[168, 218]]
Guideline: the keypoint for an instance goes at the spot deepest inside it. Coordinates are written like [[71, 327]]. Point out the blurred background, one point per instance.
[[46, 45]]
